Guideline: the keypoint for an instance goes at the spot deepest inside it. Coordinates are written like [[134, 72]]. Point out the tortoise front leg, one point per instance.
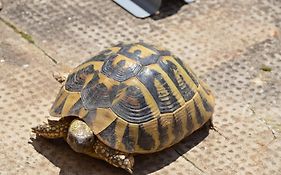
[[53, 129], [60, 77], [81, 139]]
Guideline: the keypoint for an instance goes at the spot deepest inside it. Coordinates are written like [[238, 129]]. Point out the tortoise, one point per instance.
[[129, 99]]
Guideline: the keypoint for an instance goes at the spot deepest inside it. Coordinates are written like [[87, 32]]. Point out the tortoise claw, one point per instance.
[[60, 77], [129, 170]]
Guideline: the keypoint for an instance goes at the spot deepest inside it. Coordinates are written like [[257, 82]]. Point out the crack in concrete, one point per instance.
[[216, 129], [270, 129], [265, 123], [197, 167], [28, 38]]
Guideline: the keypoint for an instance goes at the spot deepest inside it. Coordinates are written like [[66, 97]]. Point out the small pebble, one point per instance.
[[25, 66]]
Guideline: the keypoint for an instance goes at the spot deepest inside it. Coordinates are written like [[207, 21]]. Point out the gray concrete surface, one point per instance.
[[235, 46]]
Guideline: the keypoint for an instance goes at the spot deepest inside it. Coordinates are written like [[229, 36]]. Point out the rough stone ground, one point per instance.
[[235, 46]]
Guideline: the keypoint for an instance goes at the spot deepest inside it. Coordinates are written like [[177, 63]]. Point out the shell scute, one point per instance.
[[162, 89], [76, 80], [120, 68], [134, 104], [182, 82]]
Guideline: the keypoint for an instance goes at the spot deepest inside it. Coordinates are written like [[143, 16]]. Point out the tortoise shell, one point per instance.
[[136, 98]]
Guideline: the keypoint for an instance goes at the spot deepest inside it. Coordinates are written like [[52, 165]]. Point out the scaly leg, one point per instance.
[[209, 124], [60, 77], [53, 129], [114, 157], [62, 72]]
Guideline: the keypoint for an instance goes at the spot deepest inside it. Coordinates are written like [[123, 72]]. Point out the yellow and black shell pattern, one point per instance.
[[136, 98]]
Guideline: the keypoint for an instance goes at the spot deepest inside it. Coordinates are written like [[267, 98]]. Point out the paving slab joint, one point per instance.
[[27, 37], [196, 166], [217, 130]]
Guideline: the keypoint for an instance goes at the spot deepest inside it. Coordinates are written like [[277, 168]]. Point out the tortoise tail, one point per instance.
[[53, 129]]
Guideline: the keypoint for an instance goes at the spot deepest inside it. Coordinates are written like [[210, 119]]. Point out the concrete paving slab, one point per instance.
[[234, 46]]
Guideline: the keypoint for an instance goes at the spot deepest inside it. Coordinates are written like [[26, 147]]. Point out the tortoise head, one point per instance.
[[80, 137]]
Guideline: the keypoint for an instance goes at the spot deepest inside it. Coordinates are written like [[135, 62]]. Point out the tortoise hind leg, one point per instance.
[[209, 124], [82, 139], [53, 129]]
